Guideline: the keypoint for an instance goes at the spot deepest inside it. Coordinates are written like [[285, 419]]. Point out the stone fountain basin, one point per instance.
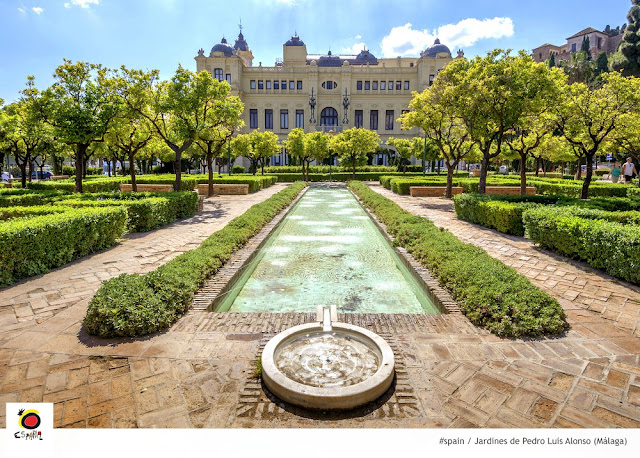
[[328, 398]]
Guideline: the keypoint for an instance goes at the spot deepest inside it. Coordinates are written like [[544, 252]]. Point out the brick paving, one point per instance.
[[201, 373]]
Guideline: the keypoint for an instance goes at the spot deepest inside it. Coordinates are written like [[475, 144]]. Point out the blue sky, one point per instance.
[[35, 35]]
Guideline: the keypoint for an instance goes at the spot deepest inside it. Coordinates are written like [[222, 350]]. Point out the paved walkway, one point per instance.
[[201, 372]]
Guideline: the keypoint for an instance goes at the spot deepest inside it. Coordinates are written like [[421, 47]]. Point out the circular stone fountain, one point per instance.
[[327, 365]]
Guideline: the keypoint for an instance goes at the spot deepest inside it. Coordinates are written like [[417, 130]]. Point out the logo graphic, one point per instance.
[[29, 419]]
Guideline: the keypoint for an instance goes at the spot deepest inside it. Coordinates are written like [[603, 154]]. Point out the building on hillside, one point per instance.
[[329, 92], [598, 42]]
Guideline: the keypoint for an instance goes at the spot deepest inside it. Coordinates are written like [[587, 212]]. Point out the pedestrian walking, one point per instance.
[[629, 170], [615, 172]]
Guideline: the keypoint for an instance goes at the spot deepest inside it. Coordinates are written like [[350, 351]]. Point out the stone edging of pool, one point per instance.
[[216, 288]]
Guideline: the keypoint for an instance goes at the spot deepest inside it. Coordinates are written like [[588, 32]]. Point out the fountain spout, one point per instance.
[[326, 315]]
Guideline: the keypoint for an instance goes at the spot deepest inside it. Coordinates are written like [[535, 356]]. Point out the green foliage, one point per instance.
[[145, 214], [629, 48], [71, 171], [506, 217], [136, 305], [574, 189], [611, 246], [26, 197], [490, 294], [31, 246], [256, 183]]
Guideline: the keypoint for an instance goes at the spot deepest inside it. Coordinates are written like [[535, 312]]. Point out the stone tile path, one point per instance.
[[201, 373]]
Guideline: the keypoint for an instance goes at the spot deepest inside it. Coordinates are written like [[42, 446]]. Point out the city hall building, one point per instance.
[[328, 92]]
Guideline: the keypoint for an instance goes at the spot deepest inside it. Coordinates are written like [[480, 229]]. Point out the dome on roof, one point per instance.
[[437, 47], [241, 43], [365, 57], [294, 41], [223, 47], [329, 60]]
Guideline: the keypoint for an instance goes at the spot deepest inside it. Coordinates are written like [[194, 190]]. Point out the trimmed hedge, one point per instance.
[[503, 216], [26, 197], [256, 183], [7, 213], [112, 184], [32, 246], [574, 189], [150, 212], [361, 176], [136, 305], [490, 294], [633, 192], [611, 246]]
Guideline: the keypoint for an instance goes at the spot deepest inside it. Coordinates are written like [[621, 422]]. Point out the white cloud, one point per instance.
[[287, 2], [358, 37], [22, 10], [404, 40], [81, 3], [37, 10], [355, 49]]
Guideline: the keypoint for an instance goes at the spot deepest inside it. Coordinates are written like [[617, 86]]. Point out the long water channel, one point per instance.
[[327, 250]]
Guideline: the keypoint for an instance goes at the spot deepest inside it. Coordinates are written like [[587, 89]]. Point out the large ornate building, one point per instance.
[[599, 41], [327, 92]]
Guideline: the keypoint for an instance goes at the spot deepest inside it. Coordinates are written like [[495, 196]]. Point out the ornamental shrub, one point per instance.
[[32, 246], [611, 246], [163, 295], [490, 294]]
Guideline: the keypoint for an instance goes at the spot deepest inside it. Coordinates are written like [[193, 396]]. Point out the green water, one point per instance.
[[327, 250]]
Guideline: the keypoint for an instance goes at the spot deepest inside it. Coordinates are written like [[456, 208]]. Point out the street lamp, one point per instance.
[[229, 153], [330, 158]]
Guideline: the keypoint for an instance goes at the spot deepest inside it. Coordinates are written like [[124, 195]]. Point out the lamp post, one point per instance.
[[330, 159], [229, 153], [424, 157]]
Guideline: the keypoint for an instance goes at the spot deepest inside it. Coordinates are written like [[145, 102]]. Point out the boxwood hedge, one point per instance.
[[31, 246], [490, 294], [135, 305], [611, 246]]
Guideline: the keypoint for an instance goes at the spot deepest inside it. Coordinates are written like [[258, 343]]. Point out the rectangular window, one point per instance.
[[398, 85], [388, 121], [299, 85], [269, 84], [252, 84], [218, 74], [359, 85], [373, 120], [573, 47], [358, 118], [284, 119], [268, 119], [383, 85], [260, 84], [229, 78], [374, 85], [292, 85], [253, 119], [431, 78], [367, 85], [276, 85], [300, 119], [406, 85], [283, 85], [390, 85]]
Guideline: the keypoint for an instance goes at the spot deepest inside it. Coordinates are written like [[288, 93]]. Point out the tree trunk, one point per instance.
[[579, 171], [484, 167], [353, 176], [81, 149], [30, 171], [537, 166], [177, 167], [124, 168], [109, 168], [438, 162], [523, 175], [587, 178], [210, 169], [132, 171], [404, 171], [23, 173], [448, 193]]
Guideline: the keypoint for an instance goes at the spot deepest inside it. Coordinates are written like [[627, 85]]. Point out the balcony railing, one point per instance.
[[333, 129]]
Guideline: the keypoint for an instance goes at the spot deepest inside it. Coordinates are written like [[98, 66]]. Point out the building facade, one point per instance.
[[326, 92], [598, 42]]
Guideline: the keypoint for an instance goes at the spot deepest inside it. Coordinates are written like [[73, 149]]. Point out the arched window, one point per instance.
[[218, 74], [329, 117]]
